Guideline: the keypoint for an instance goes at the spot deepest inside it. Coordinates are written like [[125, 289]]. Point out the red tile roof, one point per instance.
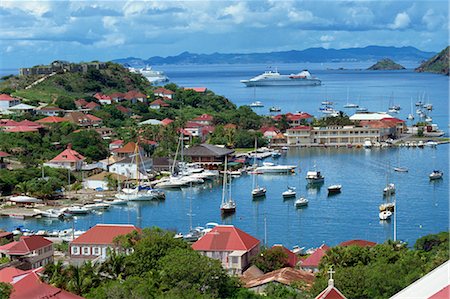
[[208, 129], [134, 94], [192, 124], [204, 117], [166, 121], [27, 244], [292, 257], [117, 95], [100, 96], [7, 274], [68, 155], [30, 286], [442, 294], [92, 117], [360, 243], [285, 276], [80, 102], [8, 123], [293, 116], [197, 89], [226, 238], [313, 260], [91, 105], [21, 129], [51, 120], [117, 142], [6, 97], [3, 154], [5, 234], [130, 147], [162, 90], [29, 123], [6, 247], [270, 129], [330, 293], [104, 233], [393, 119], [123, 109], [159, 102]]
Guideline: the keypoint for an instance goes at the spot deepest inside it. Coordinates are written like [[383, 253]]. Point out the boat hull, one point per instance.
[[282, 82]]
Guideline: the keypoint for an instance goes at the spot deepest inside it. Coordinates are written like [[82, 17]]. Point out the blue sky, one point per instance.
[[38, 32]]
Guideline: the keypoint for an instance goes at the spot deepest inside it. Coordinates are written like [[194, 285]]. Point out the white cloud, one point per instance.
[[300, 16], [327, 38], [237, 11], [433, 20], [401, 21]]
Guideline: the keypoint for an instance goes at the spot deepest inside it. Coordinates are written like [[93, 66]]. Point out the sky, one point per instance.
[[39, 32]]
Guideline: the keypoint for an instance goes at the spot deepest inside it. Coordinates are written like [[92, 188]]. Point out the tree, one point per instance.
[[5, 290], [66, 103], [114, 266], [77, 186], [271, 259], [80, 279]]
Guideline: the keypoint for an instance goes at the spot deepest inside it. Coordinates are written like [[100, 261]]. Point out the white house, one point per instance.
[[6, 101], [127, 167], [50, 111], [99, 181]]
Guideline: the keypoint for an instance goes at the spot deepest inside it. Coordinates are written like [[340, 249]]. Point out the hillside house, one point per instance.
[[31, 251], [83, 120], [163, 92], [69, 159], [6, 101], [3, 163], [50, 111], [311, 263]]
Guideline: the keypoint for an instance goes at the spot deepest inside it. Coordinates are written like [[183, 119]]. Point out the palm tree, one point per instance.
[[114, 266], [55, 274], [80, 279], [23, 187]]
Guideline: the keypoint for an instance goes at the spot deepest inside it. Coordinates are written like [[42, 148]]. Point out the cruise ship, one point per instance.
[[274, 78], [152, 76]]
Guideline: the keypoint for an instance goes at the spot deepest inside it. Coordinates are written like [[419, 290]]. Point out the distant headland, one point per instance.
[[386, 64]]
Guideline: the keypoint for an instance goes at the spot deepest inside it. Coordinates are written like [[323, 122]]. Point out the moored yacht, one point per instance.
[[314, 177], [436, 175], [274, 78], [269, 167]]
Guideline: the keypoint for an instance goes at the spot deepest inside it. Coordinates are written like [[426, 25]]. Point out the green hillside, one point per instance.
[[436, 64], [114, 78], [386, 64]]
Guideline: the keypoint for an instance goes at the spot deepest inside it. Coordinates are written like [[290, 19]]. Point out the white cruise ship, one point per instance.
[[152, 76], [274, 78]]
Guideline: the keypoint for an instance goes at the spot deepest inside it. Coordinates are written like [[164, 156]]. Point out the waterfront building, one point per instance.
[[6, 102], [30, 252], [311, 263], [69, 159], [94, 244], [284, 276], [128, 168], [49, 111], [99, 181], [163, 92], [230, 245], [208, 154]]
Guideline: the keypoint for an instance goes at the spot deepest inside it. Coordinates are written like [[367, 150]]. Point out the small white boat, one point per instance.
[[410, 116], [367, 143], [431, 143], [314, 177], [429, 119], [436, 175], [274, 109], [97, 206], [389, 206], [420, 144], [290, 192], [269, 167], [52, 213], [327, 103], [24, 199], [401, 169], [361, 109], [385, 215], [389, 189], [76, 210], [256, 104], [301, 202], [285, 148], [259, 192], [334, 189], [350, 105]]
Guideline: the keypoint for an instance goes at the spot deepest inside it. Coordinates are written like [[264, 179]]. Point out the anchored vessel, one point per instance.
[[274, 78]]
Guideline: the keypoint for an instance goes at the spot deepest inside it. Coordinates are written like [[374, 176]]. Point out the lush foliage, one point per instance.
[[5, 290], [341, 120], [271, 259]]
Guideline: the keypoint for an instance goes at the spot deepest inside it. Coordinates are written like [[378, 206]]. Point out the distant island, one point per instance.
[[293, 56], [436, 64], [386, 64]]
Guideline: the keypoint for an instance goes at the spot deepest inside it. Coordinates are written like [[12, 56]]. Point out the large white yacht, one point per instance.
[[152, 76], [269, 167], [274, 78]]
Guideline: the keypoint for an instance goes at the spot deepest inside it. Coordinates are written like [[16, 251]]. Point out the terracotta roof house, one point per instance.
[[285, 276], [27, 285], [194, 128], [50, 111], [6, 236], [204, 119], [295, 119], [31, 251], [21, 129], [92, 106], [359, 243], [117, 96], [68, 158], [124, 110], [116, 144], [434, 285], [6, 101], [127, 150], [312, 262], [80, 103], [157, 104], [166, 121], [231, 246], [83, 120], [135, 96], [51, 120], [197, 89], [93, 245], [269, 132], [331, 292], [208, 153], [102, 98], [292, 258], [163, 92]]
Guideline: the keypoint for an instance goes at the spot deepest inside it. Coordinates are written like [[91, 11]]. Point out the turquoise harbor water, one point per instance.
[[422, 205]]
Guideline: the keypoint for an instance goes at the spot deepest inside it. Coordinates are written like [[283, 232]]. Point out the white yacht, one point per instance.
[[385, 215], [274, 78], [367, 143], [314, 177], [436, 175], [301, 202], [290, 192], [151, 75], [256, 104], [269, 167]]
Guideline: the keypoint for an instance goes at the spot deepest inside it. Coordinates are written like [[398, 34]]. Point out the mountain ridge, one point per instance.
[[317, 54]]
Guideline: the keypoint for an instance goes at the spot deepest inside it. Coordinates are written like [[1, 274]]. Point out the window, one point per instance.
[[96, 251], [75, 250], [234, 260], [86, 250]]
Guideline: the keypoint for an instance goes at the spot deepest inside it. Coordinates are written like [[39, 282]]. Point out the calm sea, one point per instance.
[[422, 205]]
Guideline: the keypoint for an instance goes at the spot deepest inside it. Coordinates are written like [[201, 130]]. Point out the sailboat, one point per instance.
[[386, 209], [136, 193], [257, 191], [350, 105], [228, 205], [291, 191], [411, 115]]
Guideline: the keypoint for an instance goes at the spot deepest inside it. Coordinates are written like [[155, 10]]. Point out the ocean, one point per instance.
[[422, 205]]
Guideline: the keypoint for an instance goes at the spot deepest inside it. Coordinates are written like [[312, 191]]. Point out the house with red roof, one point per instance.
[[51, 120], [194, 128], [83, 120], [6, 101], [331, 292], [27, 284], [124, 110], [102, 98], [3, 163], [295, 119], [126, 150], [49, 111], [157, 104], [135, 96], [163, 92], [311, 263], [116, 144], [298, 135], [166, 121], [292, 258], [359, 243], [93, 245], [31, 251], [68, 158], [204, 119], [233, 247], [197, 89], [269, 132], [80, 103], [92, 106], [117, 96]]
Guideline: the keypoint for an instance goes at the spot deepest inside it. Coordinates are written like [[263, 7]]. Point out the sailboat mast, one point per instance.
[[224, 180], [136, 152], [395, 219]]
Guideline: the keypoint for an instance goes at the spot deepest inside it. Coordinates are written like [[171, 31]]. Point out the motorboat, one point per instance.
[[350, 105], [401, 169], [429, 107], [274, 78], [301, 202], [361, 109], [385, 215], [389, 189], [433, 131], [314, 177], [334, 189], [24, 199], [259, 192], [193, 235], [431, 143], [274, 109], [367, 143], [256, 104], [117, 201], [172, 182], [290, 192], [389, 206], [134, 194], [76, 210], [51, 213], [410, 116], [97, 206], [269, 167], [151, 75], [428, 119], [436, 175], [276, 154]]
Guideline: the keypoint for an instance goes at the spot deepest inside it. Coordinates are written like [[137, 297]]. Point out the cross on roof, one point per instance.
[[331, 281]]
